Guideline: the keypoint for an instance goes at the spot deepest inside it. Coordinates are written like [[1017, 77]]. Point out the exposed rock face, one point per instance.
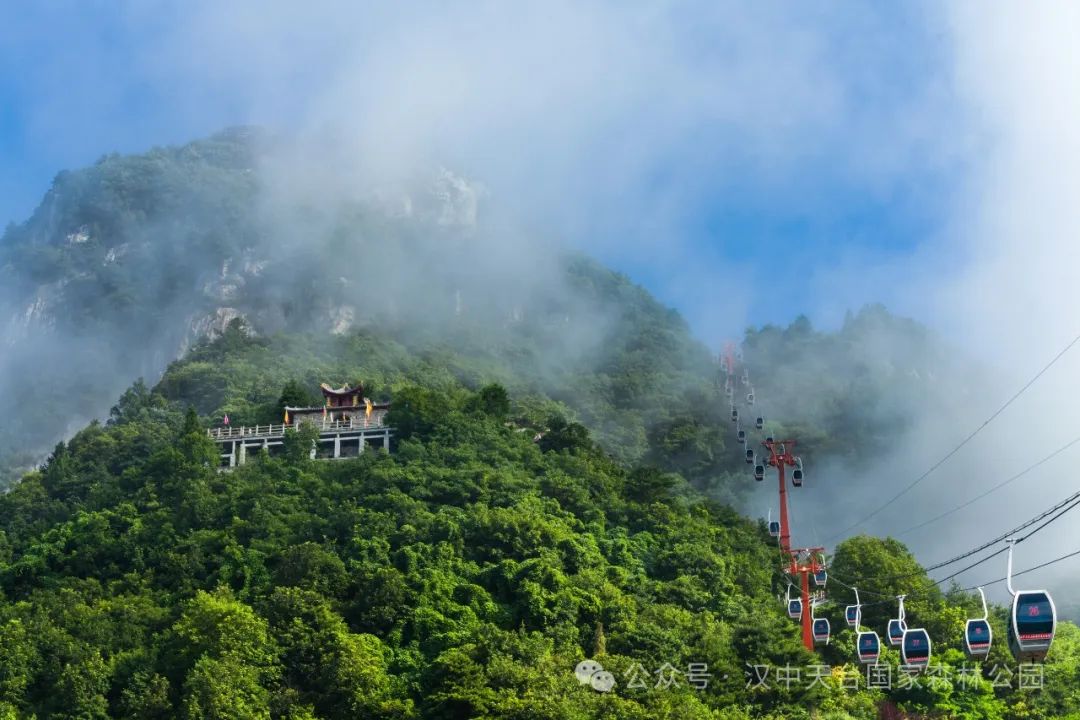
[[128, 263], [341, 319], [458, 200]]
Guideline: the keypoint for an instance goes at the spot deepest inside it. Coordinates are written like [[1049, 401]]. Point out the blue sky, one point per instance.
[[722, 156]]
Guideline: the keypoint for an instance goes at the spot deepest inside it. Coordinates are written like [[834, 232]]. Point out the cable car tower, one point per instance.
[[727, 359], [803, 563], [781, 456]]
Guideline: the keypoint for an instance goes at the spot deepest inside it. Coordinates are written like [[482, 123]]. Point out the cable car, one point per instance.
[[797, 473], [820, 577], [740, 437], [915, 648], [821, 630], [745, 378], [749, 455], [977, 638], [978, 635], [867, 644], [1032, 622], [734, 415], [896, 631], [869, 647], [759, 423], [1032, 625], [774, 528], [759, 472], [750, 398], [794, 605], [897, 627]]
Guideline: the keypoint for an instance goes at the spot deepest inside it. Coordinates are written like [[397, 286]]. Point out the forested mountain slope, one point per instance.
[[467, 572], [127, 263], [464, 574]]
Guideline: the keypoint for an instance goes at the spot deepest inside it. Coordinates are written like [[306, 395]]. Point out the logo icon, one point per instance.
[[590, 672]]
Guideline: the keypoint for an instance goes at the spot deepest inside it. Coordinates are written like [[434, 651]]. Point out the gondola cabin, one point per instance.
[[977, 638], [851, 615], [750, 457], [740, 437], [821, 630], [734, 415], [796, 477], [774, 528], [869, 647], [759, 423], [794, 609], [915, 648], [1032, 625], [820, 578], [895, 631], [759, 472], [750, 398]]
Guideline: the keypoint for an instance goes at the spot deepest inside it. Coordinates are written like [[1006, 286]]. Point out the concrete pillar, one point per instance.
[[360, 446], [243, 453], [386, 441], [337, 446], [232, 455]]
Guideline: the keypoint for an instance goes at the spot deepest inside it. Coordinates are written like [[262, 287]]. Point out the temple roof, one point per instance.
[[343, 391], [384, 405]]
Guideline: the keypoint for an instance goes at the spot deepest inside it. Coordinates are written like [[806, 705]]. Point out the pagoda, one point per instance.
[[348, 421], [346, 406]]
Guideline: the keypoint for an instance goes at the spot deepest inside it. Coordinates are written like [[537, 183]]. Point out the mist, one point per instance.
[[483, 142], [997, 282]]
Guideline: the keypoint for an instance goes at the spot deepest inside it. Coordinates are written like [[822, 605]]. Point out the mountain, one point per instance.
[[125, 265], [560, 488]]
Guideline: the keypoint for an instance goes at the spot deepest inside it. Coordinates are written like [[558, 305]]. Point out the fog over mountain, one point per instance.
[[407, 145]]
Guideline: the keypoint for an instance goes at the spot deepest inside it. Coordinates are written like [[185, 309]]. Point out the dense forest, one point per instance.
[[464, 574], [562, 484]]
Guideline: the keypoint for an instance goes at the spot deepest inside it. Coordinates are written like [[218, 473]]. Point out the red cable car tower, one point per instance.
[[781, 457], [802, 562]]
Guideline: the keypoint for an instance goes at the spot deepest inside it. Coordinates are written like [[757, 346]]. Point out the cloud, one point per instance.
[[622, 128], [997, 277]]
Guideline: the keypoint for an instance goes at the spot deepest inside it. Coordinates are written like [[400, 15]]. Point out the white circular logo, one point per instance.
[[586, 669], [602, 681]]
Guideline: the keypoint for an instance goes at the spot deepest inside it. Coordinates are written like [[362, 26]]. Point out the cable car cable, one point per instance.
[[1060, 509], [1074, 553], [997, 487], [891, 599], [963, 442], [1069, 501]]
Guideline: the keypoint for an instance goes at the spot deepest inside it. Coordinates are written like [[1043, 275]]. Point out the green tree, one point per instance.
[[224, 689], [299, 442], [295, 394]]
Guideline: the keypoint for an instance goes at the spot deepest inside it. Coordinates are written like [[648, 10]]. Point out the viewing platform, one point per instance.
[[338, 439]]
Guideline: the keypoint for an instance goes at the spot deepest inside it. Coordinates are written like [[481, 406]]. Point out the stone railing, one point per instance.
[[273, 430]]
